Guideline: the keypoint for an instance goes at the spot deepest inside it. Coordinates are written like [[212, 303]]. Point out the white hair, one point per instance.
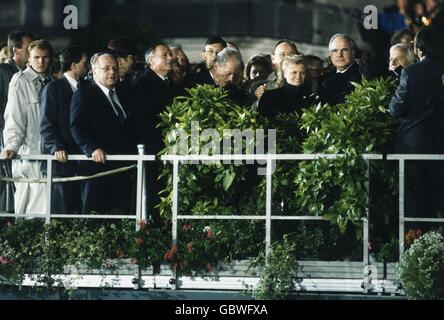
[[406, 51]]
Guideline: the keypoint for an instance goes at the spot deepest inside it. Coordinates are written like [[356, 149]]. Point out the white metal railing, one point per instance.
[[268, 217], [140, 213], [402, 158]]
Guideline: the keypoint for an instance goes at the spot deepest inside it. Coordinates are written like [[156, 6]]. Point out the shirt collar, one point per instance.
[[71, 81], [344, 71], [104, 89], [34, 75], [12, 62]]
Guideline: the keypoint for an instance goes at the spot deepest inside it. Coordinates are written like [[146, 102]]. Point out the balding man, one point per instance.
[[152, 93], [282, 49], [224, 72], [336, 84], [100, 125]]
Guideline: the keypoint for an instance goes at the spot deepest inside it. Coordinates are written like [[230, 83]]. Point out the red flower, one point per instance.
[[412, 235], [187, 227], [170, 253], [142, 224], [4, 260], [139, 241]]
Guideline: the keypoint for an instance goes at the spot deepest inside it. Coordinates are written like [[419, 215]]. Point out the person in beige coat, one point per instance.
[[22, 130]]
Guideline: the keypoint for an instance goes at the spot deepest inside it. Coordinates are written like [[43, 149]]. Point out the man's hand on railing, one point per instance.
[[99, 156], [8, 154], [61, 156]]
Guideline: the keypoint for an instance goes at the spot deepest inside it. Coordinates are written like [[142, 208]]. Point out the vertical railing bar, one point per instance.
[[139, 217], [175, 211], [268, 209], [365, 230], [48, 190], [401, 206], [140, 149]]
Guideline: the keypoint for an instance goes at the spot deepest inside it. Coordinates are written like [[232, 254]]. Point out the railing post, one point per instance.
[[139, 207], [268, 208], [175, 212], [401, 206], [141, 215], [365, 226], [48, 190]]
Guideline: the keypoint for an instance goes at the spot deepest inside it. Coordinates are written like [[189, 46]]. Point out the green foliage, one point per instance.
[[389, 251], [335, 188], [279, 277], [217, 186], [202, 245], [421, 270]]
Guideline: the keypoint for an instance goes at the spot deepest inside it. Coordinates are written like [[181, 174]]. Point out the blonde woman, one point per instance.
[[294, 94]]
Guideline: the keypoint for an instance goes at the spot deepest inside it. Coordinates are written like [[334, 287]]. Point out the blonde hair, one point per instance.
[[290, 60]]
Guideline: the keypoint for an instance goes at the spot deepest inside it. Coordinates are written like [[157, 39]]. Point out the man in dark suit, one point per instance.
[[100, 125], [336, 84], [55, 127], [223, 73], [152, 93], [18, 42], [125, 50], [200, 75], [418, 106]]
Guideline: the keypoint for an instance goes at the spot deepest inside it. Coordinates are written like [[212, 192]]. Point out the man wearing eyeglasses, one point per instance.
[[201, 74], [336, 84], [282, 49], [100, 125]]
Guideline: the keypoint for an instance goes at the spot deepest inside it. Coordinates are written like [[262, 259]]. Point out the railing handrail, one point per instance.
[[110, 157], [268, 216]]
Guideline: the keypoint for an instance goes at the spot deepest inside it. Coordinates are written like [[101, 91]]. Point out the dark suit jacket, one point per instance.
[[55, 127], [201, 77], [7, 70], [150, 97], [285, 100], [95, 125], [418, 104], [335, 86]]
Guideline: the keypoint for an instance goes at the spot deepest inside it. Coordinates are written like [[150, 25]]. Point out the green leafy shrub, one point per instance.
[[421, 270], [218, 187], [335, 188], [279, 277]]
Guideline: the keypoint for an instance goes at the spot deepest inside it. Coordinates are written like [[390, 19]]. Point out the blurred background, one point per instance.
[[254, 25]]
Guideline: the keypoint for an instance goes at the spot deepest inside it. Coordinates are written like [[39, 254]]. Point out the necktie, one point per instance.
[[117, 109]]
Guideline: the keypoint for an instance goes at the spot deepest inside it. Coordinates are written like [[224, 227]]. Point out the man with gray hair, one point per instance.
[[223, 73], [101, 124], [336, 84], [401, 57]]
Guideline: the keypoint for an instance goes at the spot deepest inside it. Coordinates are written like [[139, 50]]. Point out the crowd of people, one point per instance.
[[101, 105]]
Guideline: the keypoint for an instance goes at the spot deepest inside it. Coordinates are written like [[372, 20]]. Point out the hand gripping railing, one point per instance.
[[140, 193]]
